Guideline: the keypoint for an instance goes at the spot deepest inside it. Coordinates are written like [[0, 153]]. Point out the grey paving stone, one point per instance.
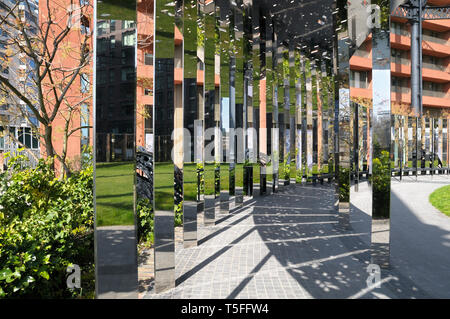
[[287, 245]]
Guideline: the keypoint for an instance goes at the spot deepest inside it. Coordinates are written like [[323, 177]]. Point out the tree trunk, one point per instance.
[[50, 152]]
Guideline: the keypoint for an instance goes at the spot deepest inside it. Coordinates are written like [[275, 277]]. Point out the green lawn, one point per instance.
[[117, 9], [440, 199], [114, 193]]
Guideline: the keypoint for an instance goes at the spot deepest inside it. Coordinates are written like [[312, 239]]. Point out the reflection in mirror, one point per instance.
[[163, 166], [256, 96], [191, 190], [239, 103], [381, 144], [116, 253], [279, 110], [210, 166], [224, 36], [292, 170], [342, 97]]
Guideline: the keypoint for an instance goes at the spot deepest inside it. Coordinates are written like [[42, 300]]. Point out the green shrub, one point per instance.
[[46, 224]]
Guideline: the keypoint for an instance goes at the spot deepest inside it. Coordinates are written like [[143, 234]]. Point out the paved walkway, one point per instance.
[[289, 245]]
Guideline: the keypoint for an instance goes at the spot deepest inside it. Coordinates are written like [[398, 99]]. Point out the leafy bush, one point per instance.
[[46, 224], [145, 220]]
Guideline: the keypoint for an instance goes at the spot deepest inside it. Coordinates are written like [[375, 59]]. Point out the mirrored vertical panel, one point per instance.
[[248, 122], [292, 172], [191, 190], [303, 116], [115, 168], [331, 126], [324, 116], [342, 98], [315, 75], [224, 36], [163, 165], [208, 9], [279, 109], [298, 117], [256, 97], [269, 72], [381, 144], [309, 118], [239, 74]]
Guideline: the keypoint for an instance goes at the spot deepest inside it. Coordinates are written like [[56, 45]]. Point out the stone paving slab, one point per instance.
[[289, 245]]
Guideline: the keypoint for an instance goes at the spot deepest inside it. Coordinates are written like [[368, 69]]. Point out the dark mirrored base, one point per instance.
[[164, 251], [117, 276]]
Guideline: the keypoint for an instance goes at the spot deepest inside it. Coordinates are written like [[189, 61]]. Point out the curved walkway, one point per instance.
[[289, 245]]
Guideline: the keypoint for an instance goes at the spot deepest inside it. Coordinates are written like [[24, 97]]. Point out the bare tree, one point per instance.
[[56, 52]]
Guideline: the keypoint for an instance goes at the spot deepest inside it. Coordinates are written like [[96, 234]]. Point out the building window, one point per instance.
[[148, 59], [27, 138], [128, 38], [84, 122], [359, 79], [128, 74], [112, 26], [126, 24], [112, 41], [148, 92]]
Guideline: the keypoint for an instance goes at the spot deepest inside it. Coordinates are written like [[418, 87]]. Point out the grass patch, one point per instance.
[[440, 199], [117, 10], [114, 193]]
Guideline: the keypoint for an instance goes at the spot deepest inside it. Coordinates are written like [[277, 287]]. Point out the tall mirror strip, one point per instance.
[[248, 122], [309, 119], [303, 117], [381, 144], [224, 35], [269, 70], [208, 9], [115, 166], [275, 108], [292, 172], [163, 165], [298, 118], [191, 119], [342, 98], [279, 108], [256, 98], [238, 136]]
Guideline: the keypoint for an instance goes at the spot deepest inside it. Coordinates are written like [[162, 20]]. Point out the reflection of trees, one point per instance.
[[381, 184]]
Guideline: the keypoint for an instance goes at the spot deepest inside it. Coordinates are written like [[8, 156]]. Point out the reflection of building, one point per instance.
[[16, 129], [436, 66], [116, 76]]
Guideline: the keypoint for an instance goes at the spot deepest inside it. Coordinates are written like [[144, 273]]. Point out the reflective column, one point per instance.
[[256, 97], [191, 118], [224, 36], [163, 166], [298, 118], [210, 166], [381, 144], [269, 72], [342, 102], [292, 163], [115, 166], [239, 137], [279, 109]]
